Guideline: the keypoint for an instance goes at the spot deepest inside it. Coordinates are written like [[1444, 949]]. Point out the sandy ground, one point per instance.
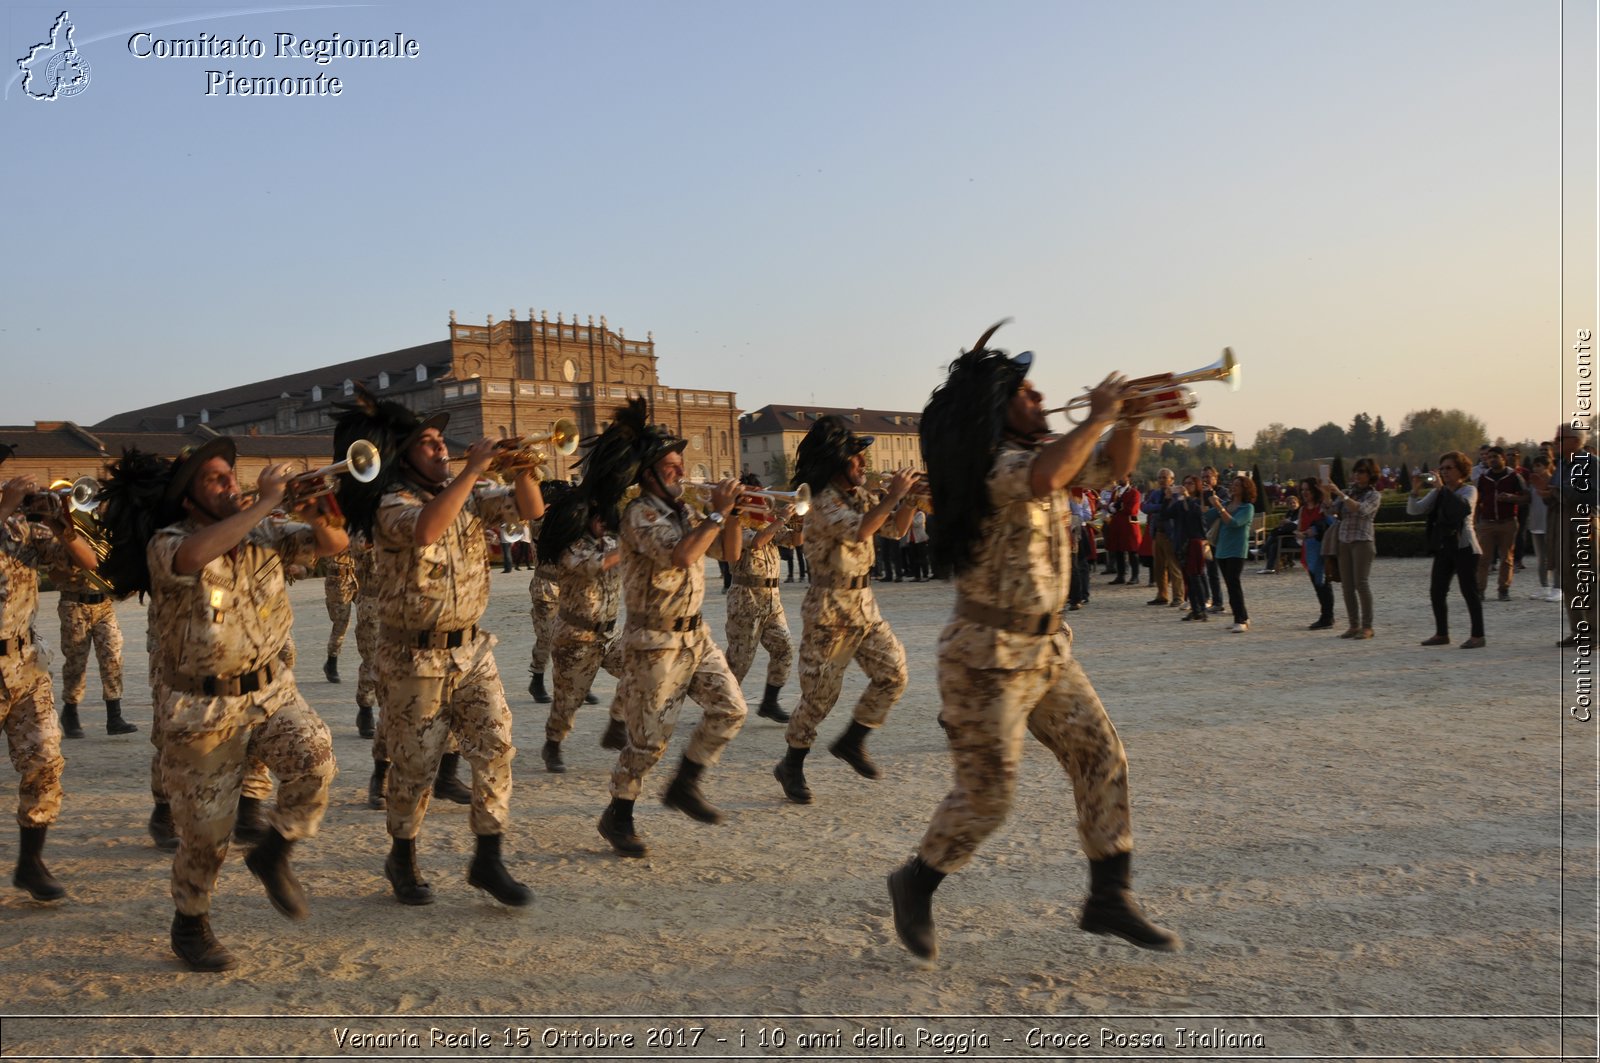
[[1371, 849]]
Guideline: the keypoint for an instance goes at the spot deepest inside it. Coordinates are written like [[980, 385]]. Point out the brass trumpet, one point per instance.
[[919, 496], [521, 452], [362, 463], [82, 495], [1166, 396]]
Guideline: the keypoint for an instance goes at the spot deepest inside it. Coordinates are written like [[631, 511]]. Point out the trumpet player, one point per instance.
[[578, 542], [339, 589], [840, 617], [755, 608], [88, 615], [436, 669], [27, 704], [215, 574], [1005, 662], [667, 652]]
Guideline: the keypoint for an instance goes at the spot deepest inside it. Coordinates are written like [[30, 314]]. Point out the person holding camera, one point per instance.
[[1235, 515], [1454, 542], [1185, 516], [1310, 524], [1357, 542]]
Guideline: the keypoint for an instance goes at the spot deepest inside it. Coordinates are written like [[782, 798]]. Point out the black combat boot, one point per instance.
[[488, 873], [196, 946], [115, 724], [446, 786], [683, 794], [269, 862], [162, 830], [791, 775], [249, 825], [31, 874], [364, 721], [551, 754], [1112, 908], [330, 668], [536, 688], [400, 868], [375, 799], [770, 707], [616, 736], [911, 889], [851, 748], [616, 827], [70, 727]]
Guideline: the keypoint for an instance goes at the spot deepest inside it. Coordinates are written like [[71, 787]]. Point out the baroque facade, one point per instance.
[[769, 437], [501, 378]]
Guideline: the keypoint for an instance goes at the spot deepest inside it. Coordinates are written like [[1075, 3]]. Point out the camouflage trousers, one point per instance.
[[755, 617], [339, 614], [367, 648], [577, 662], [824, 654], [544, 623], [985, 714], [421, 714], [257, 780], [82, 625], [33, 735], [653, 686], [205, 771]]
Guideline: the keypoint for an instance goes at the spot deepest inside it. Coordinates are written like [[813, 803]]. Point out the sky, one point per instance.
[[822, 202]]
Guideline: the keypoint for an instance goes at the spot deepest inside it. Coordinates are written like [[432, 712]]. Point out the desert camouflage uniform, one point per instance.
[[661, 666], [755, 611], [430, 695], [27, 705], [339, 588], [841, 620], [545, 590], [997, 683], [590, 599], [366, 626], [231, 619], [88, 615]]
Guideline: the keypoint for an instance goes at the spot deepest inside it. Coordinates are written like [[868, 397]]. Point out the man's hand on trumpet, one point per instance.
[[13, 491]]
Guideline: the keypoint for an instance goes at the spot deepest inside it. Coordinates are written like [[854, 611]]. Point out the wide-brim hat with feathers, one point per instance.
[[137, 501], [392, 428], [617, 457], [826, 448], [6, 450], [961, 429], [190, 459]]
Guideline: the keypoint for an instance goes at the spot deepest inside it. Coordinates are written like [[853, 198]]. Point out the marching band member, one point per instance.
[[215, 574], [27, 704], [667, 652], [577, 543], [88, 616], [1005, 662], [840, 615], [436, 670], [755, 609], [339, 589]]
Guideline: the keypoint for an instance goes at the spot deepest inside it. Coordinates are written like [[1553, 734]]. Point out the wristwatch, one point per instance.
[[715, 518]]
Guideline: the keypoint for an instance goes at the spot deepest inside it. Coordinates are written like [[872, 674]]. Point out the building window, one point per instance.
[[452, 392], [316, 393], [205, 416], [383, 380], [697, 443], [469, 389], [724, 442], [180, 420], [349, 387]]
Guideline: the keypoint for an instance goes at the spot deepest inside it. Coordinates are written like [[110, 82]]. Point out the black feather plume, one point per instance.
[[134, 511]]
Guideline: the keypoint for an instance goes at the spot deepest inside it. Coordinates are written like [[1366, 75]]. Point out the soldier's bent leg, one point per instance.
[[295, 745], [417, 734], [34, 736], [883, 658], [1072, 723], [481, 721], [75, 638], [654, 684], [825, 652], [717, 692], [780, 649]]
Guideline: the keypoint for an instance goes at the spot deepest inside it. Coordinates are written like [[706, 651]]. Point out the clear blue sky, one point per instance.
[[817, 201]]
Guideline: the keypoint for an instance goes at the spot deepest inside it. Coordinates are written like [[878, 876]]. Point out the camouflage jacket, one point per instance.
[[443, 586], [657, 591], [589, 592], [835, 558]]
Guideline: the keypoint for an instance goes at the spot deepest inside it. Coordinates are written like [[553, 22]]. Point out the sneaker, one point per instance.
[[1217, 608], [1553, 595], [1237, 628]]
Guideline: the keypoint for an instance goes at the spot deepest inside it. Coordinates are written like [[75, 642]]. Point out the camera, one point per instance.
[[1427, 479]]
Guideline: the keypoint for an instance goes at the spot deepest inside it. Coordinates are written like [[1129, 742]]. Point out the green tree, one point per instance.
[[1403, 481], [1360, 437], [1328, 439], [1425, 434], [1382, 441]]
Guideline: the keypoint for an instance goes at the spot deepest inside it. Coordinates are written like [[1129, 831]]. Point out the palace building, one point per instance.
[[770, 436], [501, 378]]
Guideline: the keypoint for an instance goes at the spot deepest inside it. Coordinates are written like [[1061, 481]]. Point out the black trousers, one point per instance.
[[1461, 563], [1231, 568]]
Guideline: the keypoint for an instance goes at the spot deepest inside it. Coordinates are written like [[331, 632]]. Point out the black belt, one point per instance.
[[1008, 619], [443, 640], [681, 623], [854, 583], [753, 581], [216, 686], [604, 627], [82, 599], [10, 646]]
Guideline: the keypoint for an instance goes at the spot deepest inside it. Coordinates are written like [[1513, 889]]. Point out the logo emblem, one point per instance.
[[55, 69]]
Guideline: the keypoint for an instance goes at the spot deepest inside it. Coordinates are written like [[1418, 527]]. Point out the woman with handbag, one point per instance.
[[1310, 531], [1455, 547], [1356, 542]]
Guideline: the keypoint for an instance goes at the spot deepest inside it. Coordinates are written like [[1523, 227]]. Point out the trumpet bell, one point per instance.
[[363, 461]]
